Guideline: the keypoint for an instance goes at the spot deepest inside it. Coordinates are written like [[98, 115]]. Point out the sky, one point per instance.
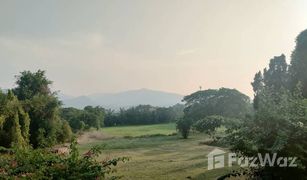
[[175, 45]]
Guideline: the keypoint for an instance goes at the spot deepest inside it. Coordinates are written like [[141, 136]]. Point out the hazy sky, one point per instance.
[[116, 45]]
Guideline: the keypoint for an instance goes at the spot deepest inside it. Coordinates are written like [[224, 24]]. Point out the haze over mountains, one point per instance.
[[123, 99]]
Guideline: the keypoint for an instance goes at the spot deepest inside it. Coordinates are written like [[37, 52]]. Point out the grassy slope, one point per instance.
[[158, 157]]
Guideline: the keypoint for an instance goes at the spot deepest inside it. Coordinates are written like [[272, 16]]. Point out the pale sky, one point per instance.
[[116, 45]]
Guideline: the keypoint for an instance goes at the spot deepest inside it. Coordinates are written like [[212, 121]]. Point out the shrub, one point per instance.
[[43, 164]]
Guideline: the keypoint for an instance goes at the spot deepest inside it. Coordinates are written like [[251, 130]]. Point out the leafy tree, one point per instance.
[[299, 63], [31, 84], [44, 114], [277, 75], [42, 106], [279, 126], [74, 117], [177, 111], [184, 126], [258, 85], [224, 102], [86, 118], [279, 123], [111, 118], [208, 124], [14, 122], [93, 116], [66, 133]]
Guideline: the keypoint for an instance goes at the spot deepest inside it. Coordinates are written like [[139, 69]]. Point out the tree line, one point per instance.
[[143, 114], [279, 123], [84, 119], [31, 114], [275, 123], [30, 122]]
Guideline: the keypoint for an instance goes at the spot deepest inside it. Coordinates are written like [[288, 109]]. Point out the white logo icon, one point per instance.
[[216, 159]]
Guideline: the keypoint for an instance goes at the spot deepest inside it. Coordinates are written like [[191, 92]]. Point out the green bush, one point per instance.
[[44, 164]]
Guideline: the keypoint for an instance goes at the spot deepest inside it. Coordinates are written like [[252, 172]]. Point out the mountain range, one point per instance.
[[123, 99]]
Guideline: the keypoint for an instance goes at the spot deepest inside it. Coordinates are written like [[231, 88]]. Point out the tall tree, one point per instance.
[[257, 87], [275, 77], [278, 126], [298, 68], [42, 106], [93, 116], [14, 122], [31, 84]]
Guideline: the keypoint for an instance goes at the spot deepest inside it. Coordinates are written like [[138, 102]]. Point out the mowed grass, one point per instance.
[[141, 130], [155, 156]]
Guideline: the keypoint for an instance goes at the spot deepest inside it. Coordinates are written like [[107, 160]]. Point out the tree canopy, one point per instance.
[[298, 67], [14, 122], [224, 102], [144, 114], [275, 77], [279, 122], [42, 106]]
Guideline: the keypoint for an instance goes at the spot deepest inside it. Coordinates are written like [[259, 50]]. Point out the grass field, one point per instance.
[[142, 130], [155, 154]]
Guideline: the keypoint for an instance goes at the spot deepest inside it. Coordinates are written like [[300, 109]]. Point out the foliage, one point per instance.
[[74, 117], [44, 114], [84, 119], [224, 102], [299, 63], [279, 122], [93, 116], [14, 122], [41, 105], [258, 85], [143, 114], [65, 134], [43, 164], [276, 77], [279, 126], [208, 124], [30, 84], [184, 126]]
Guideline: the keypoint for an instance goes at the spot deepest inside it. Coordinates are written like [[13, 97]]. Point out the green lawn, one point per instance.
[[155, 156], [141, 130]]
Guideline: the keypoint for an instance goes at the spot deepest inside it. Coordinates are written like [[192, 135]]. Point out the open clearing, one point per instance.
[[156, 153], [141, 130]]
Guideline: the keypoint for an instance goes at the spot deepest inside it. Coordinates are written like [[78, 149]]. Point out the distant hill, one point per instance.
[[123, 99], [78, 102]]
